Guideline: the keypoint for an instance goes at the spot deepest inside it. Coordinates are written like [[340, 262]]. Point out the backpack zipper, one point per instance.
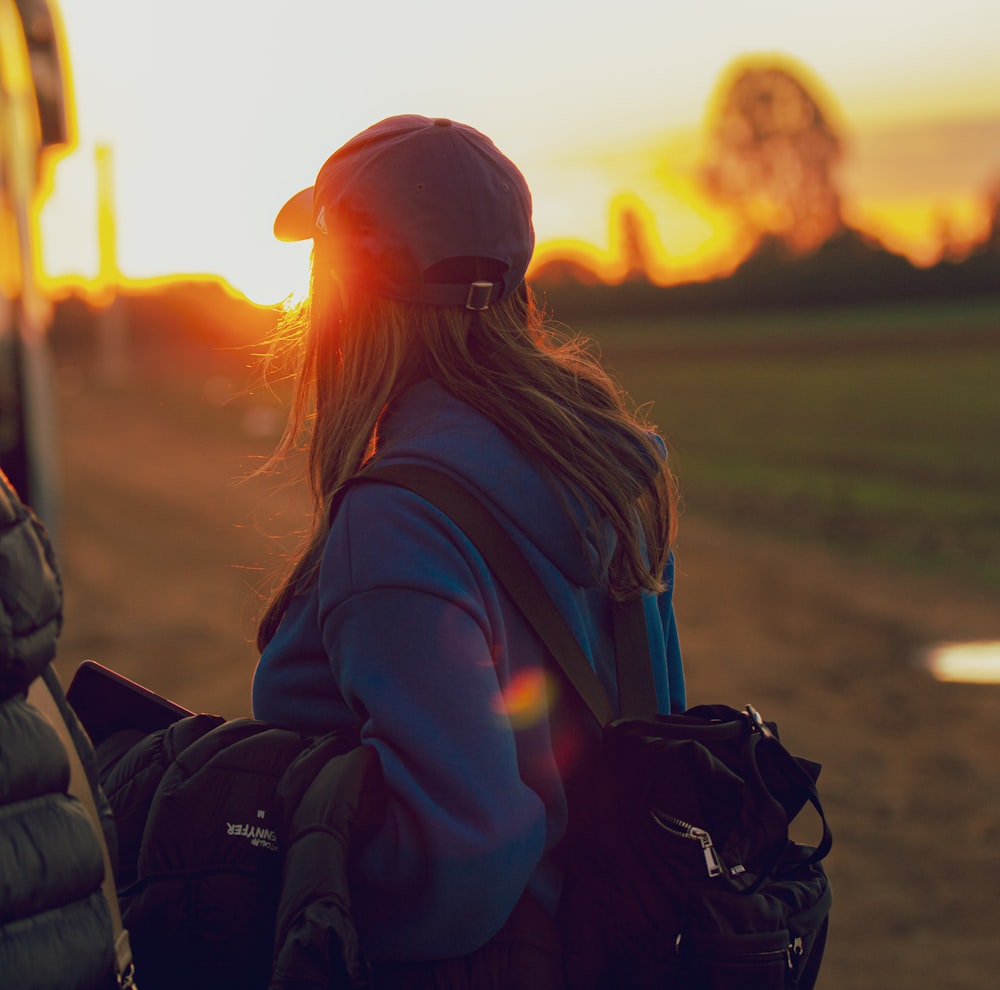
[[685, 830]]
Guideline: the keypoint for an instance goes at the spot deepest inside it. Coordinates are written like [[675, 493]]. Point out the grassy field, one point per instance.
[[887, 417], [875, 430]]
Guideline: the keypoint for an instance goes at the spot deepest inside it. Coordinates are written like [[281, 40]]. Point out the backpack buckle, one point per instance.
[[757, 723]]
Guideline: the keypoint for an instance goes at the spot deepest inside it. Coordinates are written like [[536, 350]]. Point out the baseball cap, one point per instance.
[[405, 199]]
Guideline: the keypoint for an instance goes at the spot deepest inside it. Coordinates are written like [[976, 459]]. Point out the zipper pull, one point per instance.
[[795, 952], [712, 861], [685, 830]]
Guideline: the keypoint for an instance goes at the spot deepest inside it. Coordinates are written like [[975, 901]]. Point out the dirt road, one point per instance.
[[161, 550]]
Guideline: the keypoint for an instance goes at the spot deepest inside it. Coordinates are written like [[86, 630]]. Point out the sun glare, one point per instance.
[[604, 213], [672, 235], [924, 231], [968, 663], [667, 233]]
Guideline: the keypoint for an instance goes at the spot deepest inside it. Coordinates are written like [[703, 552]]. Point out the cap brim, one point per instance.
[[294, 221]]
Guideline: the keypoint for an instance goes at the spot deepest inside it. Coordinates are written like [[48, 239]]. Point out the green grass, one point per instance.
[[876, 430]]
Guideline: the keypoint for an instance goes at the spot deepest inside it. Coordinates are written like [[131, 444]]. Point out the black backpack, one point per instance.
[[234, 861], [680, 871]]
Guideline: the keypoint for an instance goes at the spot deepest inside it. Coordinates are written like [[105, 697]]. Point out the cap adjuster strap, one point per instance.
[[480, 295]]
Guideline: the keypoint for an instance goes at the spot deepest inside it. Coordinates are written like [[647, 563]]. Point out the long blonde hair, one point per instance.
[[545, 390]]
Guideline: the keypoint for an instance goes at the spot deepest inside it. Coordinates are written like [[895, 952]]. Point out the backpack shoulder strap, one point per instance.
[[517, 577], [636, 687]]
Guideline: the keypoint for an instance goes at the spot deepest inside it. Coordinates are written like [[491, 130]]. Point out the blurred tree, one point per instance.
[[952, 247], [635, 245], [772, 153]]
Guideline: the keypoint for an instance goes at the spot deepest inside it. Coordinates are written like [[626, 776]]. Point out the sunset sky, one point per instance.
[[216, 110]]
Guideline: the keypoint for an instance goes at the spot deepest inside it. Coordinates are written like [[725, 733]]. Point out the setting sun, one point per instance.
[[213, 113]]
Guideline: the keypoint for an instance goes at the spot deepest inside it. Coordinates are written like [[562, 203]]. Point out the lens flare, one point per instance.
[[527, 698]]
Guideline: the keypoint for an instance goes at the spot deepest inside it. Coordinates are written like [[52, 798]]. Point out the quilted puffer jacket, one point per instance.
[[55, 926]]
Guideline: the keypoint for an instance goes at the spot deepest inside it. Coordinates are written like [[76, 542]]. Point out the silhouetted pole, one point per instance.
[[112, 325]]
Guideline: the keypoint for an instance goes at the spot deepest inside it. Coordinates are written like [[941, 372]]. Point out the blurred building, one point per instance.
[[35, 120]]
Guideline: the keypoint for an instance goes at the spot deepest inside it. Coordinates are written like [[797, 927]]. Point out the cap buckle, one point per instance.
[[480, 294]]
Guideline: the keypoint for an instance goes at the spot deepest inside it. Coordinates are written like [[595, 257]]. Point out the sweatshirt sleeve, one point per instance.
[[410, 621]]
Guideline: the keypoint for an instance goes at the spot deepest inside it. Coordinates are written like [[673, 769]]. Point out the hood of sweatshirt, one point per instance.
[[428, 425]]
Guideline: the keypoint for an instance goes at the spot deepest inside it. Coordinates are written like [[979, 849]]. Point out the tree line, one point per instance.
[[773, 152]]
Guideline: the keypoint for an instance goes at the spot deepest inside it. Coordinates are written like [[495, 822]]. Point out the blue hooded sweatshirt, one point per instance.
[[406, 633]]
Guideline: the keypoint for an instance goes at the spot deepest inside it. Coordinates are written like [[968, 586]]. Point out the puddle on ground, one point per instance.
[[965, 663]]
